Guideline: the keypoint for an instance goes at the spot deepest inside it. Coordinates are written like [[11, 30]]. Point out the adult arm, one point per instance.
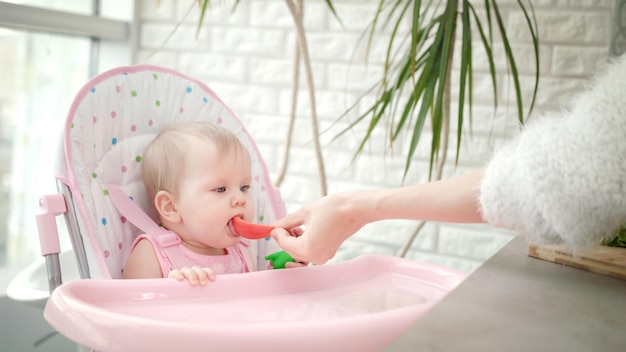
[[330, 220]]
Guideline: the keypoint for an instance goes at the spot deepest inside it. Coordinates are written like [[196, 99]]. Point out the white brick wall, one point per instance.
[[246, 57]]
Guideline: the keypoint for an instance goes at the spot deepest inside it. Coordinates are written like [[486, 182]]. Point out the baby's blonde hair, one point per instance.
[[164, 157]]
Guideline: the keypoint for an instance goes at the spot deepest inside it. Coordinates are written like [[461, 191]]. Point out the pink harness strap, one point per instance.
[[167, 240], [133, 212]]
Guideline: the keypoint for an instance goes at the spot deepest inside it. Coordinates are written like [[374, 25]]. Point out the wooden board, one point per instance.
[[599, 259]]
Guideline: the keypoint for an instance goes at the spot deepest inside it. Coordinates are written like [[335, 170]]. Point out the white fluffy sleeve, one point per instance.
[[563, 178]]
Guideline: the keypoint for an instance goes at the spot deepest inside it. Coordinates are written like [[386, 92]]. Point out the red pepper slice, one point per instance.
[[250, 230]]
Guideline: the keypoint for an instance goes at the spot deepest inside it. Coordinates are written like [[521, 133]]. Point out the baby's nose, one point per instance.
[[238, 199]]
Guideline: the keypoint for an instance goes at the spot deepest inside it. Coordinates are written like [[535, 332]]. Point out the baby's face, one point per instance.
[[213, 189]]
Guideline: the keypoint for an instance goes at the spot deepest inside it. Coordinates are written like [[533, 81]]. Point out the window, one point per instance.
[[47, 56], [40, 74]]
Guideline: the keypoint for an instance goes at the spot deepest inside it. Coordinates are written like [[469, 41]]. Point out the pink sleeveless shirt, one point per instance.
[[172, 254]]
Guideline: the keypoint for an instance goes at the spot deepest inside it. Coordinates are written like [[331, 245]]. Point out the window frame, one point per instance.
[[58, 22]]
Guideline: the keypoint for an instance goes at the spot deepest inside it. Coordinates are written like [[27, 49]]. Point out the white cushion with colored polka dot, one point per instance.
[[112, 119]]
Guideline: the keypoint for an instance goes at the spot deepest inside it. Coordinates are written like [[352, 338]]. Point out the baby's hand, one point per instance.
[[195, 275]]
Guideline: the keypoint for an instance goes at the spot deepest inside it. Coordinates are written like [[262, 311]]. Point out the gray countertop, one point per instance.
[[518, 303]]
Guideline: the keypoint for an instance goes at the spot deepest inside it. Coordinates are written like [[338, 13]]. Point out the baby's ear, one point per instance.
[[164, 203]]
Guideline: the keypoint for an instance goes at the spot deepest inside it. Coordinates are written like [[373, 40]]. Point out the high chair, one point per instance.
[[356, 305]]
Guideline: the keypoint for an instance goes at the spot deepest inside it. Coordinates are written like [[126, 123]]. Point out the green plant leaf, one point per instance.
[[204, 6], [332, 9], [447, 41], [616, 239], [532, 25], [487, 43], [511, 60], [466, 61]]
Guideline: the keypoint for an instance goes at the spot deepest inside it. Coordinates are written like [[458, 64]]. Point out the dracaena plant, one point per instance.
[[416, 83]]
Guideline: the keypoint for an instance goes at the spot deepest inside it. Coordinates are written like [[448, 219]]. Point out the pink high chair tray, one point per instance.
[[358, 305]]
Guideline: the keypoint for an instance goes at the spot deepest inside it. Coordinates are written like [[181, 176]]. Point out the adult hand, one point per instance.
[[327, 222]]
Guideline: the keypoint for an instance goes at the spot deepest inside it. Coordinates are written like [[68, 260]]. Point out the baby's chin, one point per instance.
[[230, 241]]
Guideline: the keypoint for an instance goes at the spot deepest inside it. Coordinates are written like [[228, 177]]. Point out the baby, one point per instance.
[[198, 175]]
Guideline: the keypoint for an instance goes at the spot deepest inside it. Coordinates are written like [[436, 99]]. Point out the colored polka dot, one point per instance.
[[133, 93], [72, 125], [94, 119], [204, 99], [261, 218], [94, 175], [120, 245], [114, 141], [138, 159], [181, 110], [105, 192], [133, 128], [118, 89], [158, 103], [104, 221], [123, 219], [150, 122], [107, 253], [113, 114], [155, 76], [131, 198], [93, 89], [124, 169], [188, 89]]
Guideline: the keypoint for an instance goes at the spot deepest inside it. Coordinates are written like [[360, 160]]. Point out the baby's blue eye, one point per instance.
[[220, 189], [244, 188]]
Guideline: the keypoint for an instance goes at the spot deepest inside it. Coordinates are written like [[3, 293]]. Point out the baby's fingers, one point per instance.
[[199, 276], [176, 274], [205, 275], [191, 274], [194, 275]]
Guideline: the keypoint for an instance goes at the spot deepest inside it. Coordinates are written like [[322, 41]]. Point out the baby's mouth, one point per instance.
[[240, 227], [231, 229]]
